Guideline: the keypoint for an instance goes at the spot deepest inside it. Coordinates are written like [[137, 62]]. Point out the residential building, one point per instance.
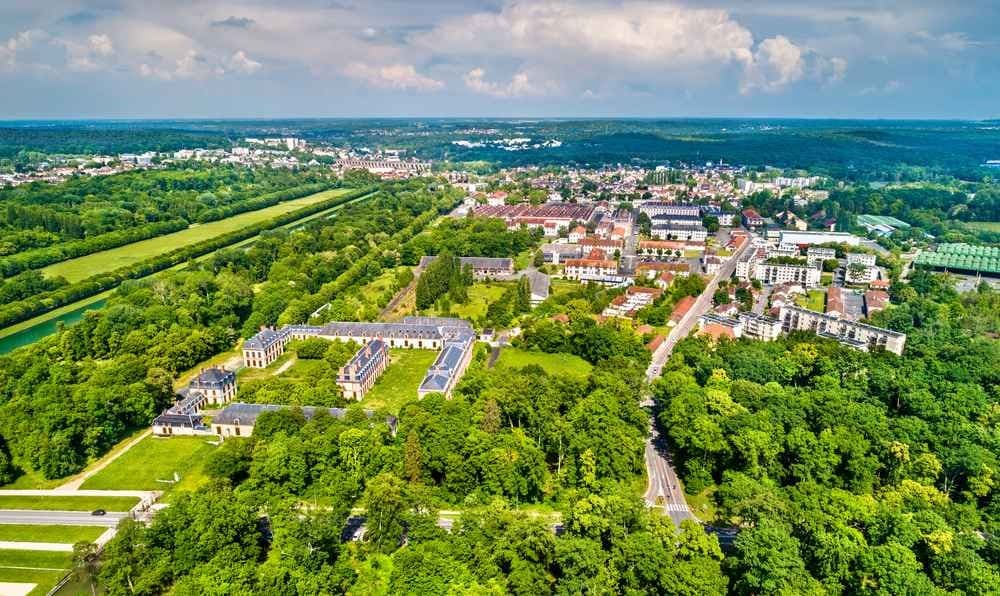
[[675, 220], [359, 374], [653, 269], [835, 302], [783, 250], [482, 267], [760, 327], [790, 220], [590, 269], [656, 208], [860, 258], [751, 219], [539, 284], [816, 255], [217, 384], [719, 326], [607, 245], [772, 273], [696, 233], [264, 348], [711, 264], [631, 302], [807, 238], [681, 310], [875, 300], [851, 333], [663, 248], [577, 234], [557, 253]]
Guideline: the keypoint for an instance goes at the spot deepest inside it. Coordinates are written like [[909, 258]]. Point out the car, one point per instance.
[[98, 512]]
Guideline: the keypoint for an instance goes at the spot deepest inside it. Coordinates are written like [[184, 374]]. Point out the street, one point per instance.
[[61, 518], [664, 489]]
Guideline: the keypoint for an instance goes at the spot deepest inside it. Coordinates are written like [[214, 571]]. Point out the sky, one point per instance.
[[496, 58]]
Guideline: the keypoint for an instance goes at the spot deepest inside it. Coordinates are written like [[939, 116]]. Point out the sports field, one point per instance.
[[153, 460], [83, 267]]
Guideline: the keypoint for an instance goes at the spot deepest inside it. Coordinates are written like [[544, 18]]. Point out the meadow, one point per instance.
[[67, 503], [57, 534], [154, 459], [553, 364], [81, 268]]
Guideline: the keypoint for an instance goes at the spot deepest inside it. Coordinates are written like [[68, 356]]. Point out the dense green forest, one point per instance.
[[849, 472], [58, 407]]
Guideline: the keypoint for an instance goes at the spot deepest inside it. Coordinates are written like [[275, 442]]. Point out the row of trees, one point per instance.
[[444, 275]]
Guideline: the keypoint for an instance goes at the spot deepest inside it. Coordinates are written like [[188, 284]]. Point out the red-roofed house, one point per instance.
[[681, 309]]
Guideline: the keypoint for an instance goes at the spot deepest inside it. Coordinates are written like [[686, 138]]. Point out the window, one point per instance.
[[237, 431]]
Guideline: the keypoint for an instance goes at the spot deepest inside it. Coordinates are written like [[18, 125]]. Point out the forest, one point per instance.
[[850, 472], [59, 408]]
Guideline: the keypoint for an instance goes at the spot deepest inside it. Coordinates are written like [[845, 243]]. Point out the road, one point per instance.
[[61, 518], [664, 490]]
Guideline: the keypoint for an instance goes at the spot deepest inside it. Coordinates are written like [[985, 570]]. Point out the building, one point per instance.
[[662, 248], [835, 302], [605, 244], [590, 269], [816, 255], [657, 208], [759, 327], [558, 216], [725, 218], [577, 234], [751, 219], [539, 284], [711, 264], [694, 233], [239, 419], [861, 258], [875, 300], [808, 238], [264, 348], [675, 220], [681, 310], [783, 250], [851, 333], [557, 253], [482, 267], [428, 333], [718, 326], [448, 367], [217, 384], [775, 273], [359, 374], [632, 301]]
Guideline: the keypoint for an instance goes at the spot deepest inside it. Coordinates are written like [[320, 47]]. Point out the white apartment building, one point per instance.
[[815, 255], [772, 274], [850, 333]]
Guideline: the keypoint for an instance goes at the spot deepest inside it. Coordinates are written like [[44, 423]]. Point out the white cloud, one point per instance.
[[520, 85], [887, 88], [20, 43], [775, 64], [241, 63], [393, 76], [101, 45]]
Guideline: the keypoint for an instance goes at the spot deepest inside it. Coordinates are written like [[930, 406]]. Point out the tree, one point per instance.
[[8, 472], [86, 564], [386, 502], [411, 457]]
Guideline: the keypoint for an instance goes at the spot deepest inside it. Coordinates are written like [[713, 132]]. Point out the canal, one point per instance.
[[37, 332]]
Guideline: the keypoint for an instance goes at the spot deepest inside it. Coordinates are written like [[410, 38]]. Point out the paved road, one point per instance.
[[664, 490], [62, 518]]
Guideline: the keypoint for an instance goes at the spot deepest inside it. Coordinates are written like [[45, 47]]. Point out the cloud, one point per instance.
[[20, 43], [888, 88], [394, 76], [234, 22], [241, 63], [519, 85], [775, 64]]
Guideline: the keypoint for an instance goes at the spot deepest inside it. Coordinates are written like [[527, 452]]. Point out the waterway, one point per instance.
[[37, 332]]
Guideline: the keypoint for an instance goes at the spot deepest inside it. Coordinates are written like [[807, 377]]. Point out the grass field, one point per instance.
[[44, 579], [988, 226], [814, 300], [60, 534], [83, 267], [563, 286], [554, 364], [481, 295], [826, 278], [399, 383], [68, 503], [702, 504], [42, 559], [151, 460]]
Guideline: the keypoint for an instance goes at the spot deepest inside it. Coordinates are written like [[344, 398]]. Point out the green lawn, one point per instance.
[[987, 226], [563, 286], [481, 295], [83, 267], [554, 364], [398, 384], [44, 559], [45, 580], [826, 278], [814, 300], [153, 459], [60, 534], [68, 503]]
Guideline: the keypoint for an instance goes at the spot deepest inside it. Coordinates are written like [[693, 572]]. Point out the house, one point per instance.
[[751, 219], [496, 199], [711, 264], [607, 245], [577, 234], [729, 309], [652, 270], [239, 419], [655, 343], [875, 300], [482, 267], [539, 284], [590, 269], [879, 284], [557, 253], [835, 302], [681, 310], [632, 301], [264, 348], [217, 384], [790, 220], [664, 279], [359, 374], [719, 326], [850, 333]]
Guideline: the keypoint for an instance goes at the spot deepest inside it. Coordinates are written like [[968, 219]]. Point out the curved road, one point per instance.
[[664, 490]]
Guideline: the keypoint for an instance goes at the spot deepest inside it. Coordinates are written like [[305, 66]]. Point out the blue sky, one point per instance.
[[285, 58]]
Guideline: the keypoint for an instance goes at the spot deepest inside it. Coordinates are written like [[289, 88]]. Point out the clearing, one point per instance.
[[154, 459], [398, 384], [67, 503], [553, 364], [481, 295], [83, 267]]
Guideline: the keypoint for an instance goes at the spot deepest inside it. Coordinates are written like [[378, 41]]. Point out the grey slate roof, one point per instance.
[[476, 263], [213, 378]]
